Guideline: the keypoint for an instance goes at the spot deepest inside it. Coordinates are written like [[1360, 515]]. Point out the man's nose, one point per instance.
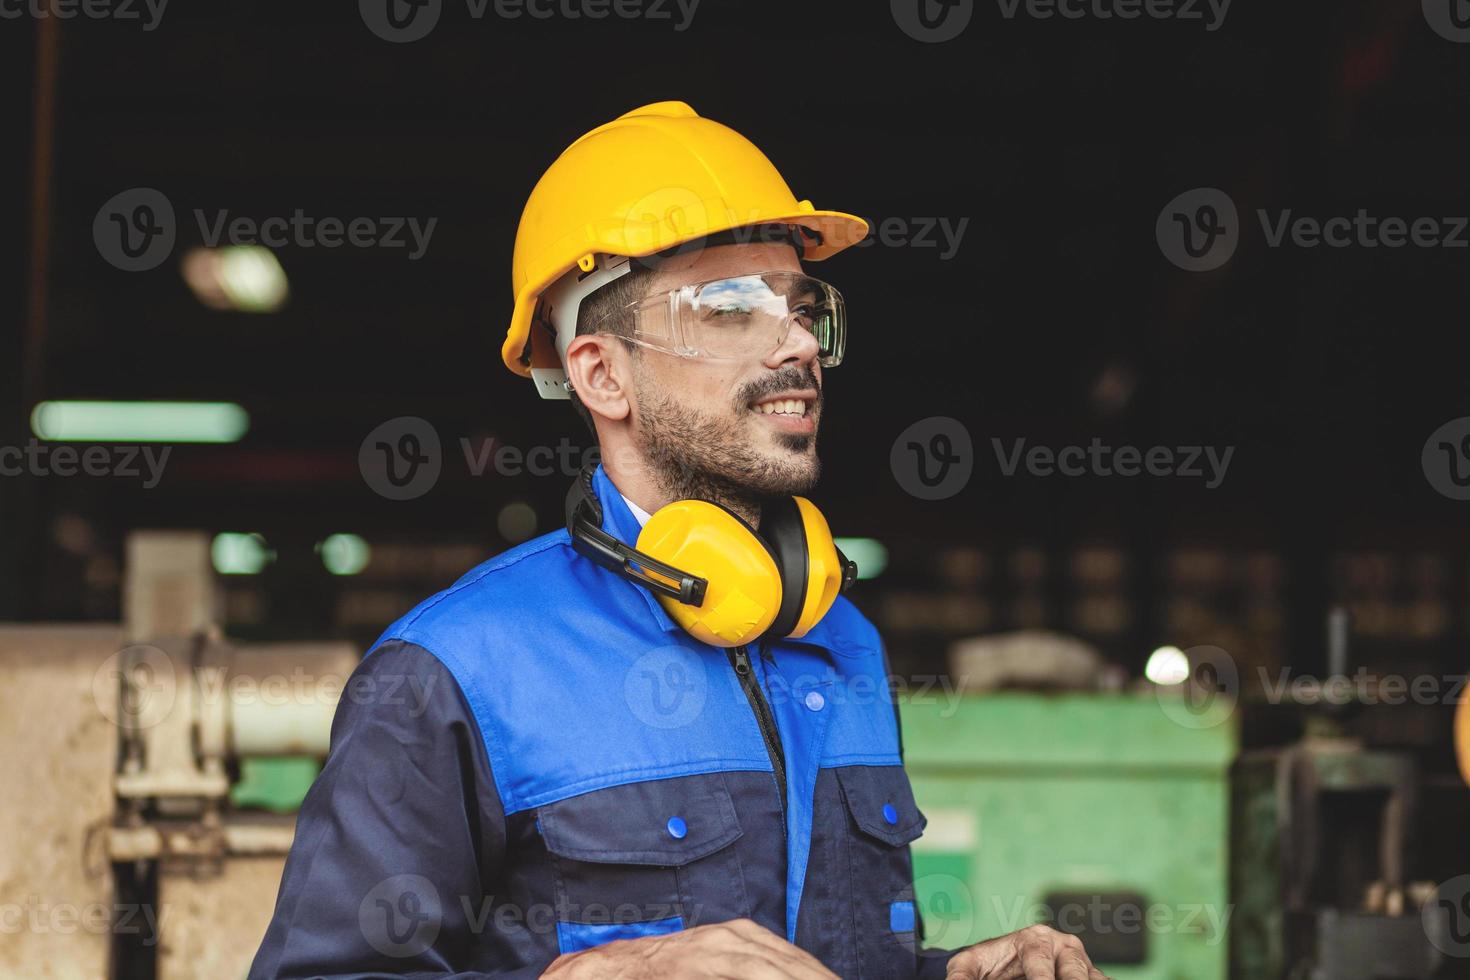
[[799, 347]]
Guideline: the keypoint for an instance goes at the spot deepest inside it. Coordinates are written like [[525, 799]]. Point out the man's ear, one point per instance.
[[597, 366]]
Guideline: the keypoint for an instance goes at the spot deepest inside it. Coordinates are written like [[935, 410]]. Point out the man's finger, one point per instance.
[[1038, 959], [759, 965], [798, 962], [1073, 963], [964, 965]]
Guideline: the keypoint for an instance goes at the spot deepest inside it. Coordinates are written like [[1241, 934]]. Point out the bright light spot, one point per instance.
[[234, 553], [345, 554], [1167, 665], [516, 521], [869, 553], [139, 421], [236, 277]]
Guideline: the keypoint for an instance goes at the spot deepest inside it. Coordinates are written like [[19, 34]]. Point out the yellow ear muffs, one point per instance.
[[811, 572], [823, 568], [705, 539]]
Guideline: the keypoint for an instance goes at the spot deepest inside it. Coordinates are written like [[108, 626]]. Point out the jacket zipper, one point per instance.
[[740, 660]]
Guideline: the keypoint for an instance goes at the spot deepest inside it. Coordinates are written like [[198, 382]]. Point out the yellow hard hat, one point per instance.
[[651, 179]]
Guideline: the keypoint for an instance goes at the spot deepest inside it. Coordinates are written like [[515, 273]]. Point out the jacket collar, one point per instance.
[[619, 521]]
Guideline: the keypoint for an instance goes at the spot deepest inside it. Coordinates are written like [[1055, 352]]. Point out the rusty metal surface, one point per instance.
[[59, 749]]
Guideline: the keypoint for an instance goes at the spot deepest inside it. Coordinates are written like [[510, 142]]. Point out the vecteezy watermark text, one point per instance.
[[934, 458], [1096, 459], [149, 12], [36, 915], [38, 459], [136, 229], [304, 231], [404, 21], [402, 915], [1101, 915], [1362, 687], [1200, 229], [1210, 12]]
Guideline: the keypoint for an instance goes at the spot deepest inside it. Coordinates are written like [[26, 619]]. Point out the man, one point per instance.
[[649, 759]]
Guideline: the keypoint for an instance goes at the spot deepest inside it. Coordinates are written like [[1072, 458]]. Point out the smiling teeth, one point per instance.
[[782, 406]]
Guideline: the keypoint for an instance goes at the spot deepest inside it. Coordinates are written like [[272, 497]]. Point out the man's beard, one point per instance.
[[706, 456]]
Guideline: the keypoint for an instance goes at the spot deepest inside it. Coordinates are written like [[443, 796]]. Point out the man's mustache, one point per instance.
[[778, 381]]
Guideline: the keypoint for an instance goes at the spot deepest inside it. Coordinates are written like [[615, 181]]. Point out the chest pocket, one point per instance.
[[884, 820], [644, 859]]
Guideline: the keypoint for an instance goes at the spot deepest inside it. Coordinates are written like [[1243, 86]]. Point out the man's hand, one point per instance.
[[1034, 953], [735, 950]]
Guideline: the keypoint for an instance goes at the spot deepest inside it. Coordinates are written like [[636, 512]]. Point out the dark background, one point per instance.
[[1058, 320]]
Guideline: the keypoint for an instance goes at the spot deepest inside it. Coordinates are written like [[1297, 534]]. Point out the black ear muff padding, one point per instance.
[[785, 534], [582, 501]]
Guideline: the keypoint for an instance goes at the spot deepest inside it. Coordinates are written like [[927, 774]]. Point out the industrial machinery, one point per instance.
[[1097, 813], [153, 769], [1325, 846], [144, 766]]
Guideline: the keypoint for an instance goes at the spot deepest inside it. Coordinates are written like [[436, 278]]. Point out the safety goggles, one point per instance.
[[738, 318]]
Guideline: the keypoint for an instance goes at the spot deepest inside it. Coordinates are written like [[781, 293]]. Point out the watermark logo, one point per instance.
[[1210, 12], [134, 230], [1446, 917], [837, 689], [136, 687], [401, 916], [1198, 230], [933, 459], [1208, 695], [149, 12], [932, 21], [400, 21], [1086, 915], [128, 462], [404, 21], [667, 687], [1450, 19], [1362, 687], [1446, 459], [1208, 463], [946, 906], [677, 212], [36, 915], [401, 458]]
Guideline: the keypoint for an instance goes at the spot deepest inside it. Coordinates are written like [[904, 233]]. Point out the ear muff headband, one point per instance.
[[826, 572], [584, 523], [781, 527]]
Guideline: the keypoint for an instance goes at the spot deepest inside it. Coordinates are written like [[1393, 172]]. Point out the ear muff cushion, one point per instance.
[[823, 571], [707, 540], [781, 526]]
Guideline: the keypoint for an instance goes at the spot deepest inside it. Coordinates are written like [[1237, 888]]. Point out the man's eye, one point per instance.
[[728, 310]]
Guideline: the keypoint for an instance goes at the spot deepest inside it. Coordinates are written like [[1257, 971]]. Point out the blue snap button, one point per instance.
[[677, 827], [815, 701], [889, 813]]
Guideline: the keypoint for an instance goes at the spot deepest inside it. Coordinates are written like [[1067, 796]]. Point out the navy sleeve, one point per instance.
[[399, 840]]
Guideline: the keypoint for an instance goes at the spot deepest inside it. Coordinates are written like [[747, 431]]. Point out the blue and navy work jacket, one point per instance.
[[538, 760]]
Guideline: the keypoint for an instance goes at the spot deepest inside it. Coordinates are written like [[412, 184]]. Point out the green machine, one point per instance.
[[1104, 815]]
